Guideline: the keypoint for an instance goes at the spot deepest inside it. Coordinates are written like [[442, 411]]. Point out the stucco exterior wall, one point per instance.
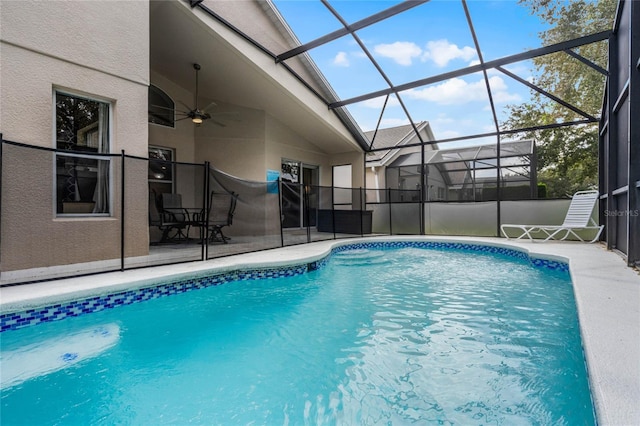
[[282, 142], [258, 142], [112, 37], [238, 148], [96, 49]]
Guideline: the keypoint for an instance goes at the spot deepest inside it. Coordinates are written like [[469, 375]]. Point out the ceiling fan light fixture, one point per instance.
[[197, 120]]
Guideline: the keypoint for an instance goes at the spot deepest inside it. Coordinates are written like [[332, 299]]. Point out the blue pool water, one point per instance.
[[376, 336]]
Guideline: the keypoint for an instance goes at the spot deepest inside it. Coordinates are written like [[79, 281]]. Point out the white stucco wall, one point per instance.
[[282, 142], [96, 49], [238, 148], [108, 36]]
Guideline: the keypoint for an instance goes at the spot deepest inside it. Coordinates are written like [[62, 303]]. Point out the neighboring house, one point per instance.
[[100, 78], [394, 138]]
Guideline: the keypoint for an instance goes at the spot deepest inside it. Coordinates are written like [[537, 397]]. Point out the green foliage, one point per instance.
[[542, 190], [567, 157]]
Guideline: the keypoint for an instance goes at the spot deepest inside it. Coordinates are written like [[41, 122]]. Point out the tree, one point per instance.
[[568, 156]]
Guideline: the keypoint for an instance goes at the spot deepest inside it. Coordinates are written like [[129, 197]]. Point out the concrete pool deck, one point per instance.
[[607, 296]]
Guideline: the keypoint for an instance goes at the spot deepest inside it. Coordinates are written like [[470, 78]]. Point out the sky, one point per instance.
[[427, 40]]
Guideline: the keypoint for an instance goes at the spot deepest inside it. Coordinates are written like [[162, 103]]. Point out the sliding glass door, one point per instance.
[[295, 177]]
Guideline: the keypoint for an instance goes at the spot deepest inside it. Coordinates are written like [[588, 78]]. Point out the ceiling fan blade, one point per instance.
[[219, 123], [211, 105], [230, 115], [224, 113], [183, 118]]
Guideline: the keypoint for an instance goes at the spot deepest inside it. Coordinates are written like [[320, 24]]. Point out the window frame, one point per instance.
[[172, 162], [173, 103], [99, 156]]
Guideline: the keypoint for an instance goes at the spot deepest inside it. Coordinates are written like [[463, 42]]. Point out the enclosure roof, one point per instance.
[[475, 153], [384, 64]]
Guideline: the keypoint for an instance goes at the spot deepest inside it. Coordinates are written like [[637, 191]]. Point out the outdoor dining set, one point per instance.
[[167, 213]]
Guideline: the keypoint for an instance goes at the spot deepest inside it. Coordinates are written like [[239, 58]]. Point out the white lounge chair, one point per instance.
[[578, 218]]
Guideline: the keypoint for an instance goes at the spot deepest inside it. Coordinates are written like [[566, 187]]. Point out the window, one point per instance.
[[342, 194], [290, 171], [342, 176], [161, 107], [161, 170], [82, 179]]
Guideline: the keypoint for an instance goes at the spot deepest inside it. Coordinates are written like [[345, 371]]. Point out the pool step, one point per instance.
[[361, 257]]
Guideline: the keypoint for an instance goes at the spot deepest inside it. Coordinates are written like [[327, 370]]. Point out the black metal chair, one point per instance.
[[173, 223], [219, 214]]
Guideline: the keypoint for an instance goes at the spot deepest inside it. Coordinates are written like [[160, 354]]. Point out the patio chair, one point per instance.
[[578, 218], [172, 225], [220, 214], [174, 212]]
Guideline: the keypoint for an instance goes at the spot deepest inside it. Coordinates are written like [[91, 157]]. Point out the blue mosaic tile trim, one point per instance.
[[56, 312], [318, 264], [76, 308], [465, 247], [555, 265]]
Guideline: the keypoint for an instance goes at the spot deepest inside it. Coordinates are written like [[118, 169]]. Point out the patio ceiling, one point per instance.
[[397, 96]]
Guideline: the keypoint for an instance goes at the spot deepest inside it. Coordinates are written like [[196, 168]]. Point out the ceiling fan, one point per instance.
[[196, 114]]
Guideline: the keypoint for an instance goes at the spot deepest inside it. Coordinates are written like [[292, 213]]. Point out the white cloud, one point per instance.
[[454, 91], [341, 60], [442, 52], [500, 91], [401, 52], [458, 91]]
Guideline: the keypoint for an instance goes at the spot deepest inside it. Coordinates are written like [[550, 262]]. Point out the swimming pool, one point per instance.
[[377, 333]]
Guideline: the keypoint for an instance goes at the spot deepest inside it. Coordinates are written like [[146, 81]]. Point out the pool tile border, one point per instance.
[[16, 320]]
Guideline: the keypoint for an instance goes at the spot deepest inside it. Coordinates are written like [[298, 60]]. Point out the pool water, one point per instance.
[[389, 336]]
